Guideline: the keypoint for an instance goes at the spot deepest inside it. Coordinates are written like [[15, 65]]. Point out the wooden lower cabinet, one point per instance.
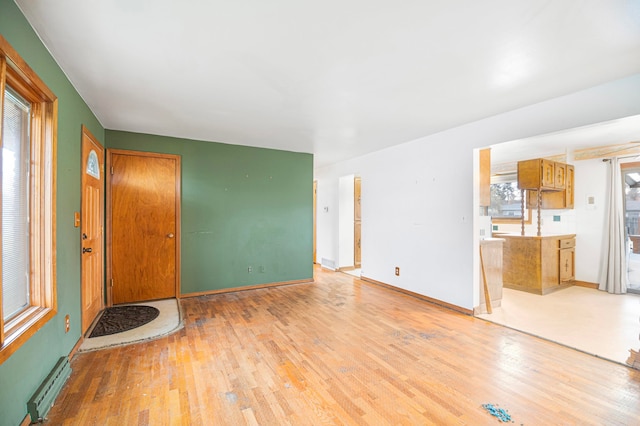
[[538, 264]]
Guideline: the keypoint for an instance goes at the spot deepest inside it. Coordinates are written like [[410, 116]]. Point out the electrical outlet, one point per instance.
[[250, 269], [67, 323], [262, 269], [397, 271]]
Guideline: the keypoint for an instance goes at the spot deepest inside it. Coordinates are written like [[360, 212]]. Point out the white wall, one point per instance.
[[591, 179], [418, 201]]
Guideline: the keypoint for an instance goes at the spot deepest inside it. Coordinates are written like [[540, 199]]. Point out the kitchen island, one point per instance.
[[538, 264]]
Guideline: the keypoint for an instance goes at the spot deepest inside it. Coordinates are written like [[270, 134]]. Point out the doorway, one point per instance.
[[357, 223], [315, 219], [631, 182], [143, 218], [350, 225], [91, 227]]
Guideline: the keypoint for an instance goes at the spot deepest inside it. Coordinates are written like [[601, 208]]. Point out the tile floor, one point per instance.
[[592, 321], [167, 322]]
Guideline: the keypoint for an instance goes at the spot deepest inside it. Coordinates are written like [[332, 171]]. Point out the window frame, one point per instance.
[[513, 177], [15, 72]]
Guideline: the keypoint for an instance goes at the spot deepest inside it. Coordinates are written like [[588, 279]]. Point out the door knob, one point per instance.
[[169, 235], [86, 250]]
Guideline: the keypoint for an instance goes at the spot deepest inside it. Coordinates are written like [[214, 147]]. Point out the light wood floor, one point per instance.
[[341, 351]]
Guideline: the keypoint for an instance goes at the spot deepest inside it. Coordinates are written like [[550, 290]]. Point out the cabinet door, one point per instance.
[[566, 265], [548, 180], [553, 200], [569, 197], [560, 170], [550, 200]]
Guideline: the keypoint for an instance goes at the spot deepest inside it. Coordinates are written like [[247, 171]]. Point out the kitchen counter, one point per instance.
[[538, 265], [543, 237]]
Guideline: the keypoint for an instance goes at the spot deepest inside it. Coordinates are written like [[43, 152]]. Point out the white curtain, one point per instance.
[[613, 266]]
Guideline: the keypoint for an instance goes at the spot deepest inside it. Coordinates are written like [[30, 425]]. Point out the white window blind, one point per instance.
[[15, 204]]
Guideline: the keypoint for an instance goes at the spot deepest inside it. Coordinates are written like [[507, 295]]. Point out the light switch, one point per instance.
[[76, 219]]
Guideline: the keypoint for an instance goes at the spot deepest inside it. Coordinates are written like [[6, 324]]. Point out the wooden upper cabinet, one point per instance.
[[558, 198], [485, 177], [541, 174], [537, 174]]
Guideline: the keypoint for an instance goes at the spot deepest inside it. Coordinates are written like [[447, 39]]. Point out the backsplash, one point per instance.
[[553, 222]]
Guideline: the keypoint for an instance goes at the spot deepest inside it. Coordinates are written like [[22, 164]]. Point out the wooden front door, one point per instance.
[[143, 196], [92, 237]]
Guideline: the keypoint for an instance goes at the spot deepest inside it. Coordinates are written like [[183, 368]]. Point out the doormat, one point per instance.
[[122, 318]]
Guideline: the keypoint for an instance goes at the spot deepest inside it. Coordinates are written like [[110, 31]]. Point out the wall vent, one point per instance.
[[43, 399], [328, 263]]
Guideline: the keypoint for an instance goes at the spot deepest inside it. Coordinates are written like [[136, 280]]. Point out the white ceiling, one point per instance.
[[337, 78], [616, 132]]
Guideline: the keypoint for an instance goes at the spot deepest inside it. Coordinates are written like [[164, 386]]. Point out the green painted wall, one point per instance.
[[241, 207], [23, 372]]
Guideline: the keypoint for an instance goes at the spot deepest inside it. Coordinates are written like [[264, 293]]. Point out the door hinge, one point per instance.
[[111, 282], [111, 169]]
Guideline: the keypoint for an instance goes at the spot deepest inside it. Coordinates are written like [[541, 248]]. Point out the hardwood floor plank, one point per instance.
[[341, 351]]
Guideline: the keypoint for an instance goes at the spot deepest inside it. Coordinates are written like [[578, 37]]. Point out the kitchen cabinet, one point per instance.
[[485, 177], [541, 174], [567, 260], [538, 264], [563, 199]]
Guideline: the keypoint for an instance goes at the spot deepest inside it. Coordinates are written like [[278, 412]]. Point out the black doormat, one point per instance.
[[123, 318]]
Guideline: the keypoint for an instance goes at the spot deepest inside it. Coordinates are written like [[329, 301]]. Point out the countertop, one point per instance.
[[542, 237], [491, 240]]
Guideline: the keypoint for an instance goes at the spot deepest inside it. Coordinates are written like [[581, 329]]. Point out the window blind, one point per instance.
[[15, 204]]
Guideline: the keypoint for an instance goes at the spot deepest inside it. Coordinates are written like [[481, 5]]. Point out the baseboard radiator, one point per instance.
[[42, 400]]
